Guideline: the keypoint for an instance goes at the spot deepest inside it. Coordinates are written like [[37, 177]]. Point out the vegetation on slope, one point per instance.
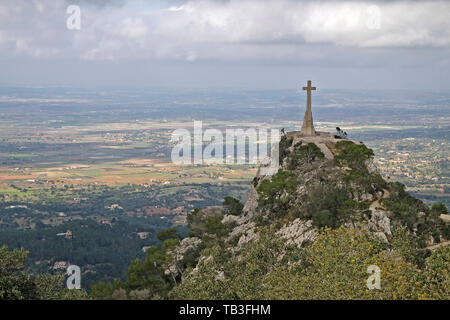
[[333, 267], [15, 284]]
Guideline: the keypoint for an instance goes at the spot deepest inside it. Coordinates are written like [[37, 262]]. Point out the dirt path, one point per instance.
[[328, 154], [442, 244]]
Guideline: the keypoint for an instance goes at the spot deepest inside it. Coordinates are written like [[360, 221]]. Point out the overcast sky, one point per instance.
[[251, 44]]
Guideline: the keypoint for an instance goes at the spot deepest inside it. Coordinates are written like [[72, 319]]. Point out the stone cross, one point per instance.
[[308, 126]]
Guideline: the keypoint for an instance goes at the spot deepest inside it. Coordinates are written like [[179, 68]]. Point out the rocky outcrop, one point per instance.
[[380, 223], [298, 232], [178, 253], [242, 233], [252, 201], [370, 165]]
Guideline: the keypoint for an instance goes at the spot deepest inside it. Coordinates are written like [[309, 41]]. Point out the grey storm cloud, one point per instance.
[[217, 30]]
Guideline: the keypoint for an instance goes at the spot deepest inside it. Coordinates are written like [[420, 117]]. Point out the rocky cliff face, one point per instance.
[[313, 190], [323, 182]]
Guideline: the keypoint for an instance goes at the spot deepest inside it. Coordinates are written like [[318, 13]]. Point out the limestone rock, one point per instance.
[[379, 222], [252, 201], [245, 232], [179, 252], [370, 165], [248, 236], [297, 232], [238, 220]]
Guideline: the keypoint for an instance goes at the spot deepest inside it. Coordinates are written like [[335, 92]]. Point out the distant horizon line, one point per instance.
[[212, 89]]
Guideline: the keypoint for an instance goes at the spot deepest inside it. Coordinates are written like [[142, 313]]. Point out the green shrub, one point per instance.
[[437, 273], [232, 206], [270, 192], [215, 226], [324, 204], [369, 182], [324, 218], [437, 209], [166, 234], [405, 208], [403, 212], [352, 211], [352, 155]]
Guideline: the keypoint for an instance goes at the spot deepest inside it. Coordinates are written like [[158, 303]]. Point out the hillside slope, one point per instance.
[[326, 214], [309, 231]]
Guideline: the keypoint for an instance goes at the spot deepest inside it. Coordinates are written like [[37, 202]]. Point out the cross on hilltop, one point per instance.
[[308, 126]]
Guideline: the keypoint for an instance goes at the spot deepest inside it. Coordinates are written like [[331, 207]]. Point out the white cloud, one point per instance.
[[339, 23], [133, 28], [219, 30]]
